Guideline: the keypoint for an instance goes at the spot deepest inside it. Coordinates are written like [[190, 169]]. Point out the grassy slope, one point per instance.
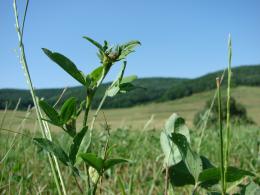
[[157, 89], [187, 107]]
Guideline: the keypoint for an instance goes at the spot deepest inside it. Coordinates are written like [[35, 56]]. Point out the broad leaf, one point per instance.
[[93, 160], [74, 148], [179, 175], [251, 189], [52, 114], [191, 159], [66, 64], [213, 174], [68, 109], [112, 162], [173, 124], [53, 148]]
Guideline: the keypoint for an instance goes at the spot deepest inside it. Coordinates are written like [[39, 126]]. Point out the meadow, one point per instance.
[[25, 170]]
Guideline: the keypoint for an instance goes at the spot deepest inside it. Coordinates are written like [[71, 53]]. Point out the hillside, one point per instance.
[[156, 89], [137, 116]]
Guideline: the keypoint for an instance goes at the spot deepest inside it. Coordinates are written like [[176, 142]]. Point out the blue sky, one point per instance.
[[179, 38]]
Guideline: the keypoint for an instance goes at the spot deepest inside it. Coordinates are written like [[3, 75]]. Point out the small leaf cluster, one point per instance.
[[186, 166]]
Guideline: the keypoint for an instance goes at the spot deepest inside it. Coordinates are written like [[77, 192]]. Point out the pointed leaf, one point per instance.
[[66, 64], [52, 148], [96, 76], [93, 160], [52, 114], [98, 45], [128, 79], [127, 48], [68, 109], [74, 148], [112, 162]]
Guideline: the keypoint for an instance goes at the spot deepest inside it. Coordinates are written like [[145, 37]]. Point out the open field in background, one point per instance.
[[25, 169], [136, 117]]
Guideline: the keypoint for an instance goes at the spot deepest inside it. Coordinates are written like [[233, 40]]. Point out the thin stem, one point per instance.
[[221, 138], [88, 104], [77, 183], [207, 114], [97, 111], [45, 132], [166, 180], [228, 125]]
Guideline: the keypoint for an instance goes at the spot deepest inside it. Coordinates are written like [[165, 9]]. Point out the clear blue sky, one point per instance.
[[179, 38]]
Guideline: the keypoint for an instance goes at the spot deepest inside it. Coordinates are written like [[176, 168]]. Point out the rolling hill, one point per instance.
[[155, 89]]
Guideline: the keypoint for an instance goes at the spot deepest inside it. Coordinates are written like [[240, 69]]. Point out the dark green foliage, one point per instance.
[[74, 148], [238, 113], [233, 174], [66, 64], [156, 89], [53, 148]]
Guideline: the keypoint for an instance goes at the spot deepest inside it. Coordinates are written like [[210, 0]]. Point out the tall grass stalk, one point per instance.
[[45, 131], [228, 125], [220, 118], [205, 118]]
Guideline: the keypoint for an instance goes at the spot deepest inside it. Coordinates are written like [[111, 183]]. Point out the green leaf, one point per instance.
[[251, 189], [98, 45], [179, 175], [127, 48], [114, 87], [213, 174], [53, 148], [112, 91], [174, 124], [121, 185], [74, 148], [126, 87], [128, 79], [191, 158], [112, 162], [96, 76], [93, 160], [68, 109], [81, 106], [52, 114], [66, 64]]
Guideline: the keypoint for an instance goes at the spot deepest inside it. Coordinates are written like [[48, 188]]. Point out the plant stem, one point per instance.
[[97, 111], [228, 125], [45, 131], [88, 104], [221, 137]]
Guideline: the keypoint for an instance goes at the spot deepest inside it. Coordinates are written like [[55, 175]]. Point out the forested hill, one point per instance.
[[153, 89]]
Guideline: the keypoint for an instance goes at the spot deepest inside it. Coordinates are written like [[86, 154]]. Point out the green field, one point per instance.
[[136, 117], [25, 168]]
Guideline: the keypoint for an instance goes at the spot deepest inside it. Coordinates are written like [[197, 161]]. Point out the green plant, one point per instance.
[[67, 116], [184, 166]]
